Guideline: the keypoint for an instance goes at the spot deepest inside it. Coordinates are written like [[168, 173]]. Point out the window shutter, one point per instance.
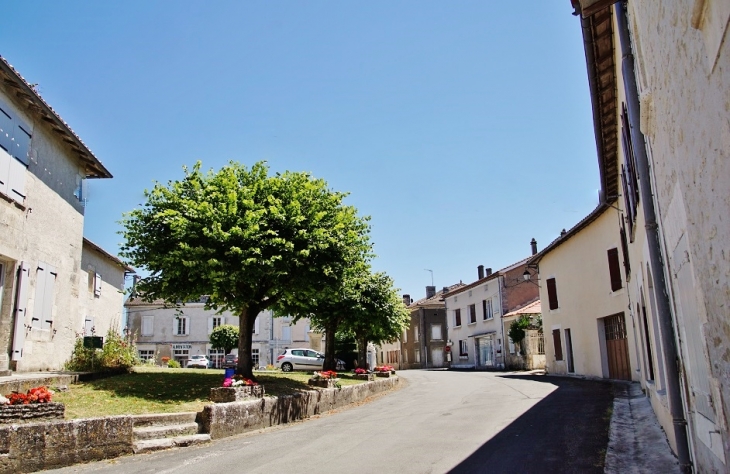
[[88, 325], [511, 346], [210, 325], [176, 326], [256, 325], [97, 284], [6, 128], [614, 269], [16, 181], [21, 301], [21, 142], [552, 293], [625, 251], [147, 325], [557, 344], [48, 295], [436, 332], [4, 169], [187, 326]]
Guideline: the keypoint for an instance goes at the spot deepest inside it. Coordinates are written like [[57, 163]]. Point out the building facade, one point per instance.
[[43, 168]]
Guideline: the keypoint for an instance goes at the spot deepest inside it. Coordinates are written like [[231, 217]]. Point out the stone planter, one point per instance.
[[382, 374], [235, 394], [31, 412], [323, 383], [368, 377]]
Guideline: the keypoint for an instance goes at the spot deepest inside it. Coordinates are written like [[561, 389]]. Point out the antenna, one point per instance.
[[427, 270]]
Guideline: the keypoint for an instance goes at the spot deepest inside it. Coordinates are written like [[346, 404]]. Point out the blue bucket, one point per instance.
[[230, 372]]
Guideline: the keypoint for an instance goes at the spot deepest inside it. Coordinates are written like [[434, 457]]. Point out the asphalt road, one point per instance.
[[439, 422]]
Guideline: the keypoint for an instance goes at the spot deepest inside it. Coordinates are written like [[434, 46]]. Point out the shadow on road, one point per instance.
[[566, 432]]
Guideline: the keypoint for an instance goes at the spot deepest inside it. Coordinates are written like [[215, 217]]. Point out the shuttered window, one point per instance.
[[89, 328], [557, 345], [97, 284], [436, 334], [15, 138], [147, 325], [614, 269], [625, 252], [21, 301], [552, 293], [44, 296], [629, 176]]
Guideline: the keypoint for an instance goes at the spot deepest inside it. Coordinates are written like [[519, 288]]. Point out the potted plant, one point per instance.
[[236, 388], [363, 374], [325, 379], [33, 405]]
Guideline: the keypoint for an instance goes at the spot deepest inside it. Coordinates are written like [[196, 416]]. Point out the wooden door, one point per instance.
[[617, 347]]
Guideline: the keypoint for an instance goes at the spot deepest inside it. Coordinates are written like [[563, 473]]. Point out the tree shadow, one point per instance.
[[566, 432]]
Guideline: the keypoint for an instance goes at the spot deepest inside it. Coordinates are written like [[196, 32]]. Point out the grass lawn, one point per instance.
[[162, 390]]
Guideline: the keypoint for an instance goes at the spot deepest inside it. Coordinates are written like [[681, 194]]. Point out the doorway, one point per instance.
[[617, 347]]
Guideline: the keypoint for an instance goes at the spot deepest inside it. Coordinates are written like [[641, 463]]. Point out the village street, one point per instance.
[[439, 421]]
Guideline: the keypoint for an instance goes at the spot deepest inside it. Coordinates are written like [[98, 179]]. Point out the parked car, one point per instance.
[[303, 359], [198, 361], [230, 361]]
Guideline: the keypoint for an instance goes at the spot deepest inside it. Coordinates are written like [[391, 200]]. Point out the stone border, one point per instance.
[[228, 419], [31, 412], [47, 445]]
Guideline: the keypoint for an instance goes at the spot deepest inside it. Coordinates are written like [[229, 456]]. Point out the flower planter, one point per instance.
[[368, 377], [324, 383], [382, 374], [235, 394], [31, 412]]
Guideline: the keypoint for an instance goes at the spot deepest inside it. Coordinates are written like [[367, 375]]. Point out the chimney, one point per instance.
[[533, 245], [563, 232], [430, 291], [445, 290], [407, 300], [489, 271], [480, 271]]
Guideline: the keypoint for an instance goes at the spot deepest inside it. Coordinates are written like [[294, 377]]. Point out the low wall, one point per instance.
[[37, 446], [24, 383], [227, 419]]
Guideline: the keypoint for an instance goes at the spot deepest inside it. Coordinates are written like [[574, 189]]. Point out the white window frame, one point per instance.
[[146, 354], [489, 315], [463, 348], [181, 322], [255, 358]]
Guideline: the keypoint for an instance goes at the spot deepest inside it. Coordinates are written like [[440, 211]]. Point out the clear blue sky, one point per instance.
[[463, 128]]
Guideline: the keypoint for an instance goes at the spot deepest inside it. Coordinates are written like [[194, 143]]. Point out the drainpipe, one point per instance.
[[671, 359]]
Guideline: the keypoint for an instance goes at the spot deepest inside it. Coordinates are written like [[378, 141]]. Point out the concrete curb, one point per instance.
[[637, 444]]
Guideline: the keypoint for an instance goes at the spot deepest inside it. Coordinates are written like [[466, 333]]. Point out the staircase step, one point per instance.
[[164, 419], [165, 431], [148, 445]]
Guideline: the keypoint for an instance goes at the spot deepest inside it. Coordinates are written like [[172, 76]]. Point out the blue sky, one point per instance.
[[462, 128]]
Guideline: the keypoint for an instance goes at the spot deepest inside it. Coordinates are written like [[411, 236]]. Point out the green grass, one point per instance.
[[161, 390]]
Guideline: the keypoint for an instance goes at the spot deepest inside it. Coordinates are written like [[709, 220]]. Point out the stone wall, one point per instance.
[[227, 419], [37, 446], [31, 412]]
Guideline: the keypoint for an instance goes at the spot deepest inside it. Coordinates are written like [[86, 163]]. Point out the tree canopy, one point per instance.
[[246, 238], [225, 337]]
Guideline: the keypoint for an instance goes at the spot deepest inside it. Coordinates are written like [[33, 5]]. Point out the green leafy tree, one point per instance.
[[225, 337], [379, 315], [245, 238], [517, 329]]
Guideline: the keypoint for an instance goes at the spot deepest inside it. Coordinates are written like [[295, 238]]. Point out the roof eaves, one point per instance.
[[127, 268], [31, 99]]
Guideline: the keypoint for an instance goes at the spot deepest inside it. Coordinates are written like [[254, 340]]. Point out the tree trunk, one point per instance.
[[329, 347], [362, 353], [246, 321]]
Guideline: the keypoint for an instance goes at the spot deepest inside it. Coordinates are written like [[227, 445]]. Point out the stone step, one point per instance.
[[164, 431], [147, 445], [158, 419]]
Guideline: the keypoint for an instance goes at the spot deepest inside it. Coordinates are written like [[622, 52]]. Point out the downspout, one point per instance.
[[671, 359]]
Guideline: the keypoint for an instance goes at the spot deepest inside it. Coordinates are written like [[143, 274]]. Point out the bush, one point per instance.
[[173, 364], [117, 354]]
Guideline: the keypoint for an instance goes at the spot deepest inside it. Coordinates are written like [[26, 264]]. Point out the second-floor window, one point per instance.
[[436, 334], [147, 328], [457, 318], [552, 293], [487, 309], [472, 314], [181, 326], [15, 138], [629, 174]]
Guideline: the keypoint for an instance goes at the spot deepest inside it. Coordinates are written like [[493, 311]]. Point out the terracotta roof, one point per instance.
[[435, 300], [531, 308], [109, 256], [486, 278], [28, 97]]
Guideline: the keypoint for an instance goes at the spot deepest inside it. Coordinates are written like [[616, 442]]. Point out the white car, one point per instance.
[[198, 362], [303, 359]]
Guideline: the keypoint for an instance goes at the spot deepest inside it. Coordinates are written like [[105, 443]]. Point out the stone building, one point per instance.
[[44, 260]]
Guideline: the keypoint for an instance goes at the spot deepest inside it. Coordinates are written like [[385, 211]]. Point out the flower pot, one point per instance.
[[368, 377], [323, 383], [382, 374], [31, 412], [235, 394]]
